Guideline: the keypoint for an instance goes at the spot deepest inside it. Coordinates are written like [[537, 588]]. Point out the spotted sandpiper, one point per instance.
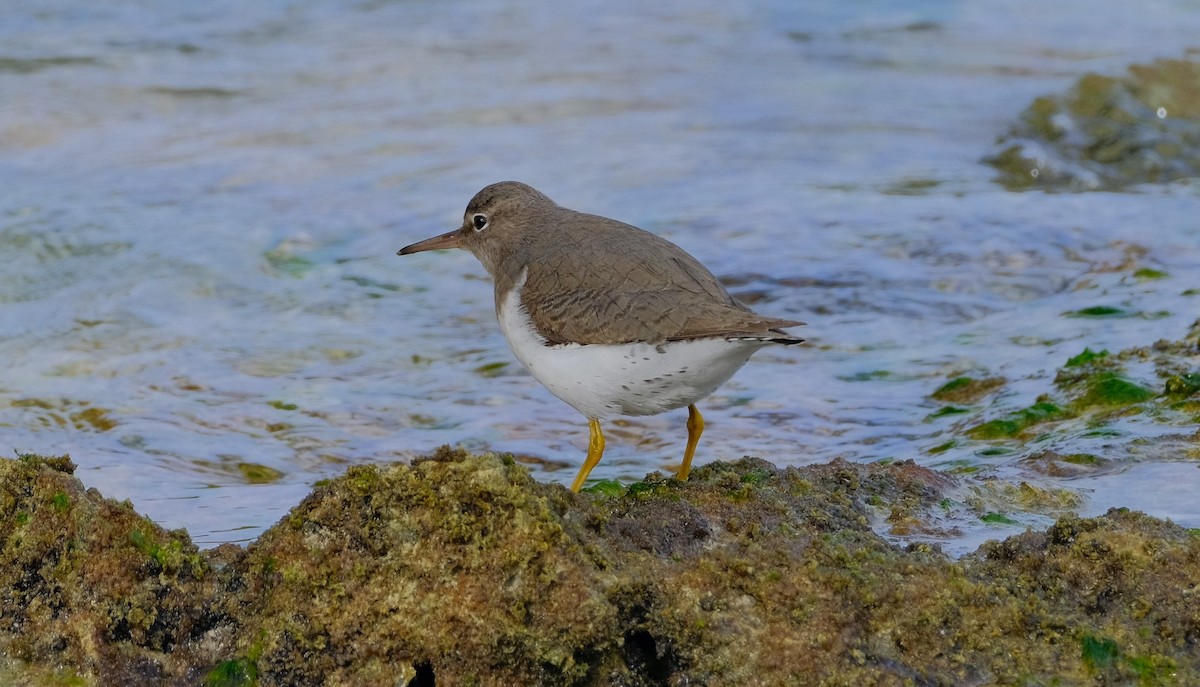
[[610, 318]]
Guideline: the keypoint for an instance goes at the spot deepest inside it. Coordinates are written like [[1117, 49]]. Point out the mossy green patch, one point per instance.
[[1109, 389], [757, 476], [943, 447], [995, 451], [61, 501], [996, 518], [1100, 311], [490, 370], [952, 385], [1147, 274], [606, 487], [947, 410], [966, 389], [259, 474], [94, 418], [281, 405], [1087, 356], [652, 489], [1017, 422], [994, 429], [235, 673], [1098, 653]]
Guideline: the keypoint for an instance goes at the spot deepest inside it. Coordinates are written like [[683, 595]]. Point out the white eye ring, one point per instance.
[[479, 221]]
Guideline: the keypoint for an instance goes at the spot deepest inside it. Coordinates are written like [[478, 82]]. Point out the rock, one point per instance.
[[461, 569], [1107, 133]]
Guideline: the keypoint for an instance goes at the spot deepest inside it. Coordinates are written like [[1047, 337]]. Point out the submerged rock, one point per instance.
[[1108, 133], [461, 569], [1092, 390]]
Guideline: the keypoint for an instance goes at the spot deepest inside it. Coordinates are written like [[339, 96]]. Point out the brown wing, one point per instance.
[[619, 284]]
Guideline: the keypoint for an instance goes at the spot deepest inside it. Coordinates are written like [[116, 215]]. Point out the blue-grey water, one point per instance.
[[200, 205]]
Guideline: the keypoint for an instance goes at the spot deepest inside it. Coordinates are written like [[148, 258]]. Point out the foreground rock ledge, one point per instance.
[[462, 570]]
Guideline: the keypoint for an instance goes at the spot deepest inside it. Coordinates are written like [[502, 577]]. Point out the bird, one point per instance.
[[610, 318]]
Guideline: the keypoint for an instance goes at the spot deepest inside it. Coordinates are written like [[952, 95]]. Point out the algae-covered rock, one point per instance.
[[1108, 133], [89, 583], [967, 389], [462, 570], [1093, 389], [461, 567], [1123, 586]]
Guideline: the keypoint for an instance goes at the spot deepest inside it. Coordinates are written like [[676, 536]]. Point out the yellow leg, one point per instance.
[[595, 451], [695, 425]]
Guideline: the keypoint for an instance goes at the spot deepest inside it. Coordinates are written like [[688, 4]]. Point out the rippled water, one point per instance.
[[200, 301]]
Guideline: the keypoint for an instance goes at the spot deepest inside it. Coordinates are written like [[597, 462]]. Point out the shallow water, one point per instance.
[[201, 303]]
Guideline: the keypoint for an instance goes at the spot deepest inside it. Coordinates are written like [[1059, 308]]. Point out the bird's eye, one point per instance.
[[480, 221]]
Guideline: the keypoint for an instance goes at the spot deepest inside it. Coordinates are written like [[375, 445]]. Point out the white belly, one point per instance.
[[600, 380]]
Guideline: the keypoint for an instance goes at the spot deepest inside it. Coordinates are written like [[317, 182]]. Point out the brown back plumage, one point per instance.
[[594, 280]]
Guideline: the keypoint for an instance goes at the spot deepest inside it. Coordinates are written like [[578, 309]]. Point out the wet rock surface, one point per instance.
[[461, 569], [1108, 133]]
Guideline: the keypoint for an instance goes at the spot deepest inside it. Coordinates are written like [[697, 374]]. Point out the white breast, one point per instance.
[[600, 380]]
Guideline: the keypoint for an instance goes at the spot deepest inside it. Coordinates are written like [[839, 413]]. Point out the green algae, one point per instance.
[[60, 413], [995, 518], [491, 370], [233, 673], [1148, 274], [1086, 357], [967, 389], [169, 556], [947, 410], [240, 672], [952, 385], [1017, 422], [281, 405], [1098, 652], [1092, 389], [605, 487], [255, 473], [756, 476], [995, 451], [61, 501], [1005, 497], [1108, 389], [1100, 311], [943, 447]]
